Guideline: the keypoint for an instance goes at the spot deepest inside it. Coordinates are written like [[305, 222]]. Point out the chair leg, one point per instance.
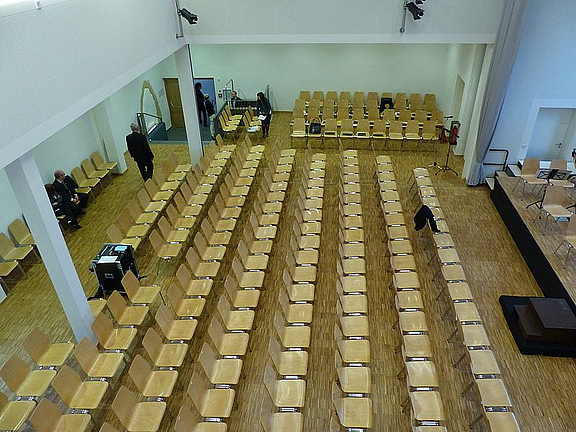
[[561, 243], [567, 255]]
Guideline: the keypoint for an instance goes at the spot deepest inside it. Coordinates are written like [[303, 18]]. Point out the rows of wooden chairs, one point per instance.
[[478, 357], [401, 101], [351, 391], [287, 367], [210, 393], [15, 249], [92, 172], [232, 123], [419, 369]]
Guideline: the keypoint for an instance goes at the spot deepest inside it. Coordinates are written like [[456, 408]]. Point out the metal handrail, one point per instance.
[[503, 165], [141, 119]]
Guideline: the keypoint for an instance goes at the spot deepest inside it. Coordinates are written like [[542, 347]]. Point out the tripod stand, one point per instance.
[[446, 167]]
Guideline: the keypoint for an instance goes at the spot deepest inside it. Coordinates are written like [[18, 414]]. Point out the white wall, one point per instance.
[[289, 68], [61, 60], [542, 75], [341, 21]]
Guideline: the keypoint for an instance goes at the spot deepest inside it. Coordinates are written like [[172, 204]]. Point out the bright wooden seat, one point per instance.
[[193, 286], [352, 412], [352, 325], [137, 293], [409, 300], [189, 419], [416, 346], [297, 291], [199, 268], [77, 394], [483, 362], [182, 305], [10, 252], [247, 279], [421, 374], [285, 393], [295, 312], [427, 406], [227, 344], [111, 338], [352, 350], [49, 418], [174, 329], [502, 421], [100, 163], [241, 298], [14, 414], [291, 362], [249, 261], [137, 416], [20, 232], [355, 379], [123, 314], [209, 401], [161, 354], [151, 383], [283, 421], [412, 321], [234, 319], [96, 364], [291, 336], [45, 353], [219, 371]]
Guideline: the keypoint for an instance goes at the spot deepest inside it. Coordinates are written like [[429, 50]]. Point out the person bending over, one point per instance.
[[140, 151], [264, 109]]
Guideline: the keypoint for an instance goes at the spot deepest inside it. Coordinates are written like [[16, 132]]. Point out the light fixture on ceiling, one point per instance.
[[188, 16], [417, 13]]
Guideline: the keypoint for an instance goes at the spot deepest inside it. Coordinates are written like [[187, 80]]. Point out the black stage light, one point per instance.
[[188, 16], [419, 1], [416, 12]]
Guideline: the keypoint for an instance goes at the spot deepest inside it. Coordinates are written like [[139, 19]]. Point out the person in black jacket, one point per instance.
[[200, 104], [140, 151], [64, 198], [423, 215], [264, 109], [211, 114]]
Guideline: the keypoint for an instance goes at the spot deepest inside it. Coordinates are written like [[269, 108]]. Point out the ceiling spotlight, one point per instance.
[[416, 12], [419, 1], [188, 16]]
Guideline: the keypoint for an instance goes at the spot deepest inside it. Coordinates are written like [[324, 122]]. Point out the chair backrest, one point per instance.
[[554, 195], [413, 127], [151, 188], [305, 95], [338, 336], [571, 227], [107, 427], [97, 159], [87, 166], [270, 380], [318, 94], [140, 372], [396, 127], [36, 344], [144, 198], [283, 299], [124, 221], [198, 386], [14, 372], [86, 354], [116, 304], [18, 230], [124, 404], [156, 241], [6, 245], [152, 343], [207, 358], [345, 96], [130, 283], [66, 384], [102, 327], [188, 419], [363, 128], [275, 351], [224, 308], [175, 295], [530, 166], [337, 399], [192, 258], [134, 209], [114, 234], [429, 127], [331, 126], [46, 416], [78, 175], [561, 164]]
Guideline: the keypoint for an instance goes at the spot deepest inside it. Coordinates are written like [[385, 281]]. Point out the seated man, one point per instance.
[[67, 187], [70, 211]]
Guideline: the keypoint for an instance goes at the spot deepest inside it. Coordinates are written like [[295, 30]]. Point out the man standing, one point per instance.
[[71, 203], [211, 115], [140, 151], [201, 107]]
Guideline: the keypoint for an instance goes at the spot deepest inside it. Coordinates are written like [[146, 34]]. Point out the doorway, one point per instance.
[[458, 95], [174, 102], [554, 134]]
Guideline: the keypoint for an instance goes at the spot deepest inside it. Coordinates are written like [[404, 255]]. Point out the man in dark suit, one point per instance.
[[72, 204], [140, 151]]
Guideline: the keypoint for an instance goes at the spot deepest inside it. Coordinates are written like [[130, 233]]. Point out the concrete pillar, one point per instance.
[[186, 83], [112, 138], [28, 187]]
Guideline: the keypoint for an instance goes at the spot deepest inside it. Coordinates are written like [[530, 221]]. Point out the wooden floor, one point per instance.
[[541, 388], [548, 237]]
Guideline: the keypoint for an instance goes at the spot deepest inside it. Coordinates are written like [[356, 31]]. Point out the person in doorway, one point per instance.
[[211, 112], [140, 151], [265, 111], [200, 105]]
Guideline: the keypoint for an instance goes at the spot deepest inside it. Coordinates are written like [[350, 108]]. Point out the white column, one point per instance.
[[186, 83], [114, 138], [29, 189]]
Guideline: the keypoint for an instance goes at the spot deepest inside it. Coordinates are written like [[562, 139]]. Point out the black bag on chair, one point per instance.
[[315, 127]]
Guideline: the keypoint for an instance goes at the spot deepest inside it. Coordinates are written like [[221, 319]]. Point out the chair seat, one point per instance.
[[246, 298], [421, 374], [556, 210], [353, 235], [356, 412], [467, 312], [353, 222], [220, 238], [309, 241], [301, 292], [178, 236], [230, 213], [453, 273], [171, 250], [493, 393], [290, 393], [355, 379], [146, 417], [293, 363], [207, 269], [403, 262], [106, 365], [483, 362], [354, 266], [36, 383], [398, 247], [256, 262], [313, 203], [56, 355], [252, 279], [416, 346], [225, 225], [18, 253], [414, 321], [184, 223], [73, 423], [265, 232], [214, 253], [307, 257], [355, 325], [15, 414], [502, 421], [217, 403], [427, 406], [406, 280], [299, 313], [233, 344], [311, 228], [198, 287], [191, 211], [226, 371], [409, 300], [160, 383], [120, 339], [354, 303], [312, 215], [295, 336], [261, 247], [353, 249], [171, 355], [304, 274], [475, 335], [354, 351], [287, 422], [352, 284], [89, 395], [269, 219], [190, 307], [240, 320], [133, 315]]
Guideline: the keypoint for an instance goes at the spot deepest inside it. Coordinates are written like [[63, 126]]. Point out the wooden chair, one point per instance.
[[117, 236], [137, 416], [352, 325], [6, 269], [111, 338], [193, 286], [147, 204], [285, 393], [83, 181], [139, 216], [176, 166], [241, 298], [49, 418], [77, 394], [170, 234], [206, 252], [24, 382], [92, 172], [10, 252], [184, 306], [13, 414], [291, 336], [96, 364], [553, 205], [45, 353], [107, 427], [352, 350], [241, 319], [274, 421], [569, 238], [139, 294], [227, 344], [287, 362], [100, 163], [172, 328], [189, 419], [20, 233], [353, 412], [219, 371], [209, 401], [164, 251], [129, 227], [200, 269], [123, 314], [161, 354], [151, 383]]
